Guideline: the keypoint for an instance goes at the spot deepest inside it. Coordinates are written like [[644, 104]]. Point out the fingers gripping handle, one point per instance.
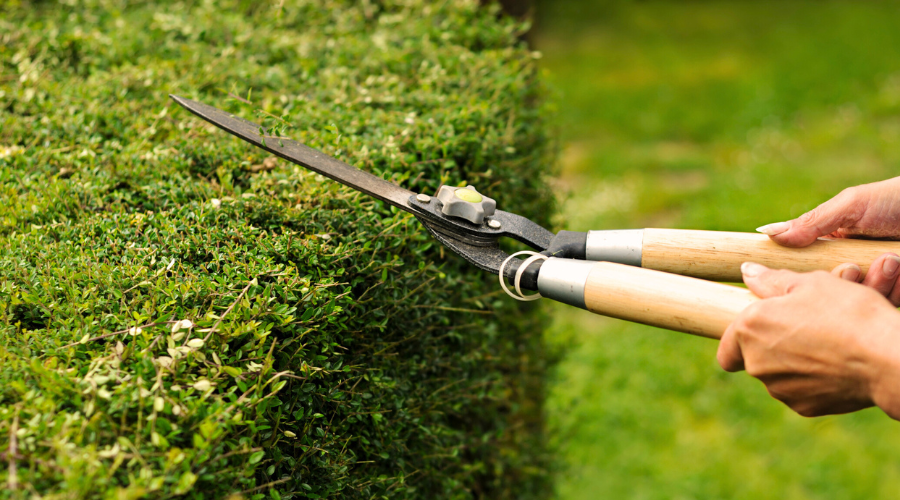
[[645, 296]]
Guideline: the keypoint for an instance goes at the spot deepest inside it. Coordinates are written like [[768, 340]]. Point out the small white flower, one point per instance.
[[182, 325], [134, 331], [202, 385], [7, 151], [215, 202], [109, 452]]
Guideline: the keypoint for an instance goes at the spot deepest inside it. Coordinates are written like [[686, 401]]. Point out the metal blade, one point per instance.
[[301, 154]]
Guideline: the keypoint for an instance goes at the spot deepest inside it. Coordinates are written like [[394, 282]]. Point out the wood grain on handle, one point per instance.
[[665, 300], [718, 255]]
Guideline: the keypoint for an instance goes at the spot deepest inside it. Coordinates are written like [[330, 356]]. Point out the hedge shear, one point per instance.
[[658, 277]]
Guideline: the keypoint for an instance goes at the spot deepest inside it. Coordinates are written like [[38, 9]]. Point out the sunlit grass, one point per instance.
[[724, 116]]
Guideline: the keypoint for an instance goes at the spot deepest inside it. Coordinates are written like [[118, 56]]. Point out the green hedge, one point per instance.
[[331, 348]]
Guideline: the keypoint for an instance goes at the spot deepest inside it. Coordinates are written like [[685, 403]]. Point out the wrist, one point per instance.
[[884, 366]]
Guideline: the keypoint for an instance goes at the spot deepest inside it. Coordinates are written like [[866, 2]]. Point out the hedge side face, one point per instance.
[[331, 348]]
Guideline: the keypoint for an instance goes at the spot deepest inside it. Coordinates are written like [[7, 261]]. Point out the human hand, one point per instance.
[[882, 276], [870, 211], [820, 344]]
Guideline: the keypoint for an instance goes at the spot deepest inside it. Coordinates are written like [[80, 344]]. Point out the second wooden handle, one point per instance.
[[665, 300], [718, 255]]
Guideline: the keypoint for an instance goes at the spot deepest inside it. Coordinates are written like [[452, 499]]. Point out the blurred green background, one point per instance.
[[725, 116]]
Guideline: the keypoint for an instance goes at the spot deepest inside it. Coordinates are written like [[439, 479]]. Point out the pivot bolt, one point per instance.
[[466, 203], [422, 197], [494, 224]]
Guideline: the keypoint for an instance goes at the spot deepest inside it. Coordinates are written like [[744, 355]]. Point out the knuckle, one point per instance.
[[787, 397], [849, 195], [853, 202], [810, 218], [777, 393], [755, 371], [805, 410], [790, 284], [748, 319], [802, 406], [848, 205]]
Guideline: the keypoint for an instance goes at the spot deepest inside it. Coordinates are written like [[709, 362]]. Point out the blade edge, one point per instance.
[[301, 154]]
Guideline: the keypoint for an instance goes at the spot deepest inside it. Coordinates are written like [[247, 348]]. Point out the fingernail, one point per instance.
[[851, 273], [775, 228], [752, 269], [890, 266]]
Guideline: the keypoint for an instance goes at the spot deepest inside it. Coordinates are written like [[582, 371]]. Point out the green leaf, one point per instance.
[[256, 457]]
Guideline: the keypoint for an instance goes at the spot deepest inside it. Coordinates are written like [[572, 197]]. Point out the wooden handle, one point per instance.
[[665, 300], [718, 255]]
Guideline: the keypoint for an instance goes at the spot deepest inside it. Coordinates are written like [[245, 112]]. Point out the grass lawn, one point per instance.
[[724, 116]]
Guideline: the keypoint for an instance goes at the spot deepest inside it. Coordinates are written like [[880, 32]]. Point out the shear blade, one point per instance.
[[301, 154]]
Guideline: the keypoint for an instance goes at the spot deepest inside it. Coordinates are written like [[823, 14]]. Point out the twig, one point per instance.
[[110, 334], [238, 299], [235, 452], [152, 344], [285, 373], [270, 163], [239, 98], [145, 282], [273, 483], [453, 309]]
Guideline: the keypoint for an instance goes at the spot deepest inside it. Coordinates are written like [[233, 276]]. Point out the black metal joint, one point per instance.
[[567, 245]]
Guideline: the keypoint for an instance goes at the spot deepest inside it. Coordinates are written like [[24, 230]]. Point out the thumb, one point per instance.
[[765, 282], [844, 210]]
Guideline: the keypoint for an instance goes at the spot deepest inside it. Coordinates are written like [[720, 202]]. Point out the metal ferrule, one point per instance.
[[563, 280], [622, 246]]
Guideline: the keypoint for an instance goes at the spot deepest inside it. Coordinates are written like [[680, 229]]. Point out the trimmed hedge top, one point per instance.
[[183, 316]]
